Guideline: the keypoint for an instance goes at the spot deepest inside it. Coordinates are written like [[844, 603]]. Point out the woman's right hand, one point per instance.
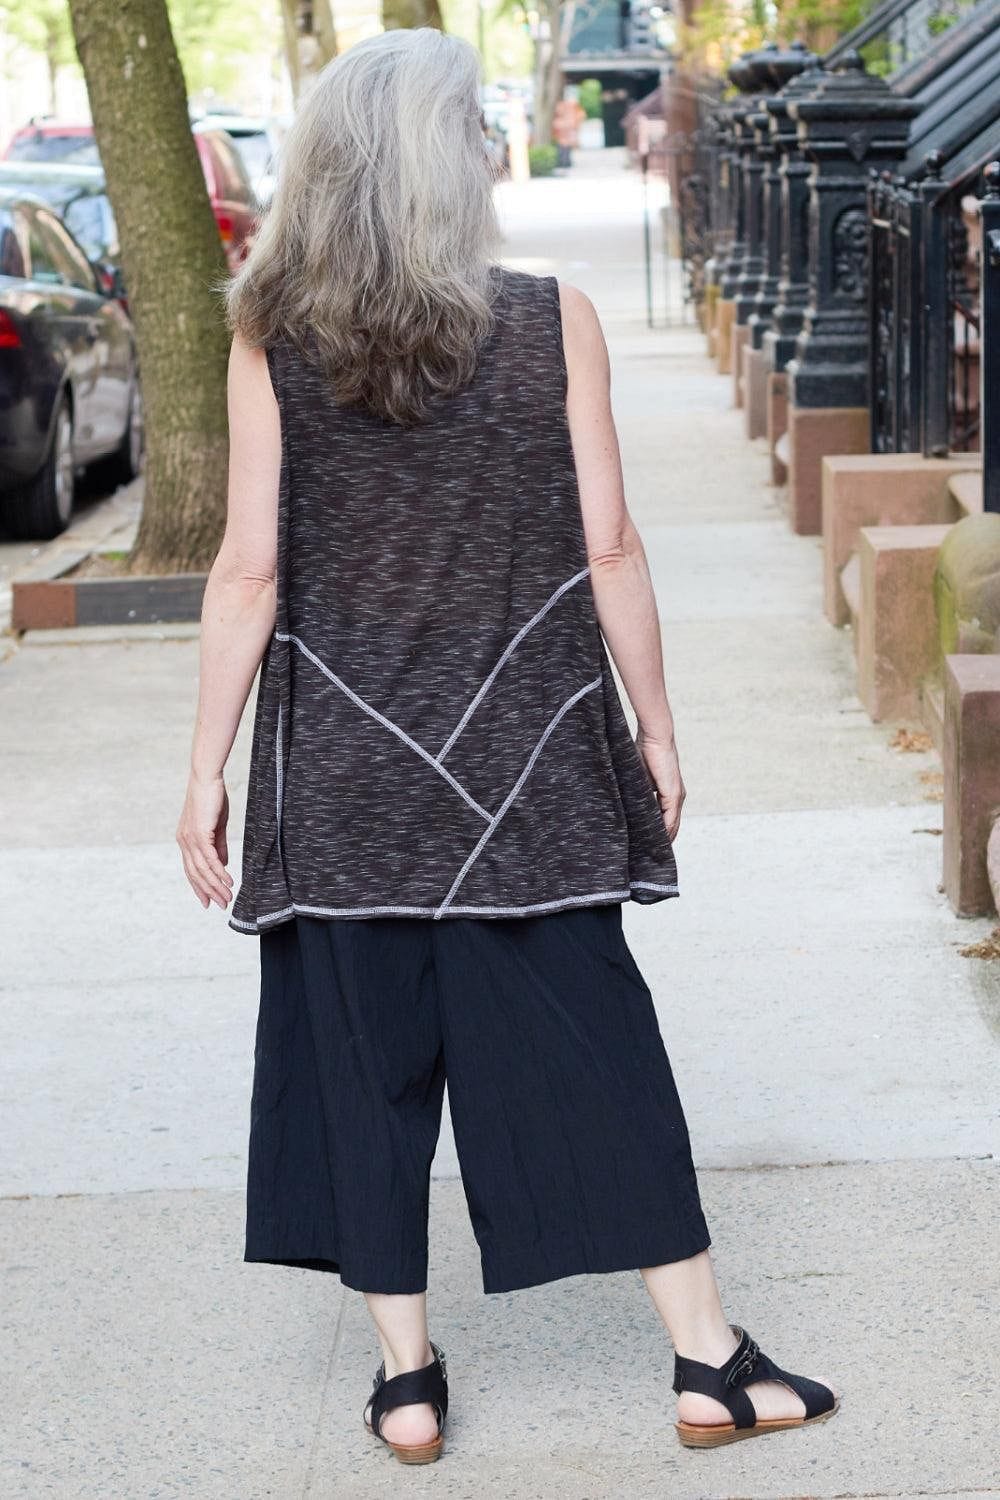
[[661, 761]]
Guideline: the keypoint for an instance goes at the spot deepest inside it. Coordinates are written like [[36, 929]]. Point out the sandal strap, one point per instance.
[[723, 1383], [411, 1388], [815, 1397], [744, 1366]]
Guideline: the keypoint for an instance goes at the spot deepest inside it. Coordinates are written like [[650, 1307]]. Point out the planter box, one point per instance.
[[49, 597]]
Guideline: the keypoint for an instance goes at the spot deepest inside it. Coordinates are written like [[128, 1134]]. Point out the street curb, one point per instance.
[[101, 635], [47, 596]]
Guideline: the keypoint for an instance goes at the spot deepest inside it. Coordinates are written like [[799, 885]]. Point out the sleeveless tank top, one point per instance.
[[438, 732]]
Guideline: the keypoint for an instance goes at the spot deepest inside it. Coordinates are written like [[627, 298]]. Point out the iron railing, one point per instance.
[[989, 354]]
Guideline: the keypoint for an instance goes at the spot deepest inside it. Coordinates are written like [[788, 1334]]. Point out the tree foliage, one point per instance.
[[42, 26], [719, 30]]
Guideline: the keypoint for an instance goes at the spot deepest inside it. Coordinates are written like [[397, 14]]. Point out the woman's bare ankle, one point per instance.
[[710, 1345], [408, 1355]]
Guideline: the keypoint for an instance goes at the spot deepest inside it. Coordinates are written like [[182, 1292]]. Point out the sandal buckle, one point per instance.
[[744, 1366]]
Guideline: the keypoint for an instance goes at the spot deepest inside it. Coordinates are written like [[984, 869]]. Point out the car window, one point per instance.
[[84, 218], [43, 147], [234, 183], [255, 150], [65, 258], [43, 264], [11, 255], [110, 230]]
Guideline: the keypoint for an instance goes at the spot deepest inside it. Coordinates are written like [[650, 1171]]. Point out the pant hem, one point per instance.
[[533, 1268], [358, 1281]]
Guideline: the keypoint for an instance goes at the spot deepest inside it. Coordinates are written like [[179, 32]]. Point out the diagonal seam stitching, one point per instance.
[[488, 681], [501, 811], [380, 718]]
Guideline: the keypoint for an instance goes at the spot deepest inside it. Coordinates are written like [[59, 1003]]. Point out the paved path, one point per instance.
[[836, 1052]]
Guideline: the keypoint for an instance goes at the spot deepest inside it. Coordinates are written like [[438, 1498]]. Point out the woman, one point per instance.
[[427, 548]]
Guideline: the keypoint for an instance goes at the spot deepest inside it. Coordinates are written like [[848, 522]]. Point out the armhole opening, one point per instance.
[[560, 345]]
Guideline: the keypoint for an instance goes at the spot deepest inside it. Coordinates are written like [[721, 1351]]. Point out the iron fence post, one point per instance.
[[989, 349]]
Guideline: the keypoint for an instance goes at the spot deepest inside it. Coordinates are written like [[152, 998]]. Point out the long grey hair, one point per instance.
[[375, 257]]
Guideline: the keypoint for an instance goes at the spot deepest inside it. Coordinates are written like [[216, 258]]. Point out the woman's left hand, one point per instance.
[[201, 834]]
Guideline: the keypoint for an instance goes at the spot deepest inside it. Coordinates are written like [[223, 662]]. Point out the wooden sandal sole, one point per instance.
[[716, 1437]]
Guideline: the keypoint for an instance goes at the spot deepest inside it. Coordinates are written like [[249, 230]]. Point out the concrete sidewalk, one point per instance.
[[836, 1053]]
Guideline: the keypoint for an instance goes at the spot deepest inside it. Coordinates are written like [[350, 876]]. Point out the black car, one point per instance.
[[79, 196], [69, 385]]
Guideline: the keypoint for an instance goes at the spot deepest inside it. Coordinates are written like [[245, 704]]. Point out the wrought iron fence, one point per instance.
[[989, 210]]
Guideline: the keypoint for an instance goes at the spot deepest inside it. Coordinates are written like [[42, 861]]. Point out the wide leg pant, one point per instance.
[[571, 1139]]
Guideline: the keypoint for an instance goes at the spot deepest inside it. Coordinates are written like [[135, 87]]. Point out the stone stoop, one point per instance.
[[971, 780], [887, 489], [896, 637]]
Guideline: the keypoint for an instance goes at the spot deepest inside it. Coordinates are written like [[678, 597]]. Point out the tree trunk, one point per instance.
[[399, 14], [173, 261], [548, 70], [310, 39]]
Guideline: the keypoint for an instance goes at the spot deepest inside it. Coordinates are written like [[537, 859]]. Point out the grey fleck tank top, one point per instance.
[[438, 732]]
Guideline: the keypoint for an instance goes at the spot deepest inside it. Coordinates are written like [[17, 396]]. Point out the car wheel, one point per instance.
[[42, 509], [127, 460]]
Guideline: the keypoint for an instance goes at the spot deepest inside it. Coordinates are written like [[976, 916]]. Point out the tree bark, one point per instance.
[[548, 69], [173, 263], [310, 39], [398, 14]]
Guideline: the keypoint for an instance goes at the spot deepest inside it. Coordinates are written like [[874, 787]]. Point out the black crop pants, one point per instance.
[[571, 1139]]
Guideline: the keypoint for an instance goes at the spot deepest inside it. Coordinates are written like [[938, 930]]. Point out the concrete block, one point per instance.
[[813, 433], [896, 636], [709, 308], [879, 489], [739, 338], [776, 419], [993, 862], [851, 583], [725, 313], [932, 710], [967, 487], [971, 778], [755, 373]]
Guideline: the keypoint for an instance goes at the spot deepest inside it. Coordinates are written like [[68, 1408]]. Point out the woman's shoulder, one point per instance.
[[524, 286]]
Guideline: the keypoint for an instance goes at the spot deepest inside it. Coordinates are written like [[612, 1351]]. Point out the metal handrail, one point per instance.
[[869, 29]]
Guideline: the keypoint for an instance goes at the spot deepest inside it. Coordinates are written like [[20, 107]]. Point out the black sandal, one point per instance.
[[411, 1388], [726, 1383]]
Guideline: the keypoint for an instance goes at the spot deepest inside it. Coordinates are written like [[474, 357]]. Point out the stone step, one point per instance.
[[932, 709], [967, 489]]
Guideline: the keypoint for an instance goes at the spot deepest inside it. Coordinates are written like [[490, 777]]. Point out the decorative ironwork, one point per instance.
[[850, 253]]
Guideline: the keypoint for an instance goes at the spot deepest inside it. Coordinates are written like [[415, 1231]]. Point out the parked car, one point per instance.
[[230, 191], [47, 139], [80, 198], [234, 202], [258, 143], [69, 378]]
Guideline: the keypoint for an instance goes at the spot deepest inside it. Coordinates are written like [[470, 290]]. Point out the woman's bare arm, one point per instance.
[[237, 618], [623, 589]]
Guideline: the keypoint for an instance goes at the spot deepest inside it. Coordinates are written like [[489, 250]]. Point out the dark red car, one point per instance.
[[230, 191]]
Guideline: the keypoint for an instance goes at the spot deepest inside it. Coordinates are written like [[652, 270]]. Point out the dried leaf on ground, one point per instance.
[[911, 740], [987, 947]]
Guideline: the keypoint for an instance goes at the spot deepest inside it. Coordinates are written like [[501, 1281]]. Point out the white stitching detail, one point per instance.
[[278, 771], [461, 911], [386, 723], [651, 885], [505, 804], [488, 681]]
